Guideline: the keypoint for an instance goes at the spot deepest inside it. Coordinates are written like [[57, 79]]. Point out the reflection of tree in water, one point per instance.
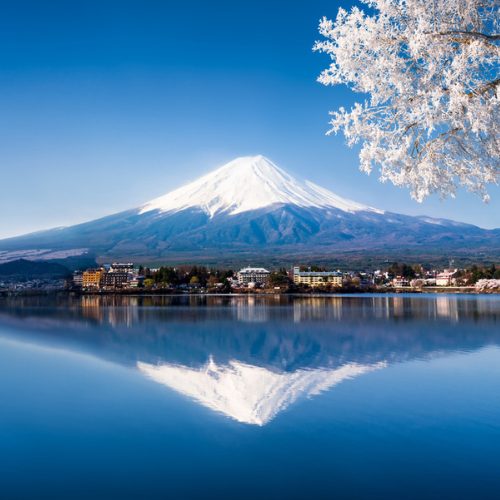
[[281, 332]]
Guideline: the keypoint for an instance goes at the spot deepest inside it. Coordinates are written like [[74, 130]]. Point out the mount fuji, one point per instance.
[[248, 184], [244, 208]]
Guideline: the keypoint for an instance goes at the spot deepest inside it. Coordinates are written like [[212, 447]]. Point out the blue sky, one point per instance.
[[105, 105]]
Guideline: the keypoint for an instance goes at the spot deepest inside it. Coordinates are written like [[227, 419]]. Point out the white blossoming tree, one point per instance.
[[431, 75]]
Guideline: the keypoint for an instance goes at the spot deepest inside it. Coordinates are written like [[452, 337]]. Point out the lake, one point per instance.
[[242, 397]]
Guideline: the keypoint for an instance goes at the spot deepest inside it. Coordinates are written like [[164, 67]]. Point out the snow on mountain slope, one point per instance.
[[249, 183], [247, 393]]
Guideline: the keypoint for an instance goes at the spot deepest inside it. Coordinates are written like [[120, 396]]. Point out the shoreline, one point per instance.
[[254, 293]]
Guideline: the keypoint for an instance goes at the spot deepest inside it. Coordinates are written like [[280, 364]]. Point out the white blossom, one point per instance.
[[430, 72], [483, 285]]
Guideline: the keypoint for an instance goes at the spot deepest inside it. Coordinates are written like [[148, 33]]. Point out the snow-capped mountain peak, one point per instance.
[[249, 183]]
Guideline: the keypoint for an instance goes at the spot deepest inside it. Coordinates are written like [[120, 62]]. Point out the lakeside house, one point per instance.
[[446, 278], [114, 279], [91, 278], [318, 278], [77, 279], [252, 275], [400, 282]]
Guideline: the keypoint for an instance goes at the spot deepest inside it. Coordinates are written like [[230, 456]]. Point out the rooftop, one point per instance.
[[254, 270]]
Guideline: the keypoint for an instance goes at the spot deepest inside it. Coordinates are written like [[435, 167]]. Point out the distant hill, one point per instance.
[[29, 268]]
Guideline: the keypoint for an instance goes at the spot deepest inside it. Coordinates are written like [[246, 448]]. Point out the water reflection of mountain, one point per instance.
[[248, 393], [250, 357], [280, 332]]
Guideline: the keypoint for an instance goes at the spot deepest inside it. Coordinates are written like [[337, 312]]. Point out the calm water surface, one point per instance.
[[390, 397]]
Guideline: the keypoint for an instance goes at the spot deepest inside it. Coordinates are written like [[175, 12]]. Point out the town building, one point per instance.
[[252, 275], [317, 278], [114, 279], [400, 282], [77, 280], [121, 268], [91, 278], [136, 282], [366, 279], [446, 278]]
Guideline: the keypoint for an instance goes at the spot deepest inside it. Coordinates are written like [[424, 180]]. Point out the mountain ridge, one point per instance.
[[249, 206]]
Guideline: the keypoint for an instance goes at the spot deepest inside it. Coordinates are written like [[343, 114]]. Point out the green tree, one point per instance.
[[418, 270], [277, 279], [224, 275], [490, 273], [148, 283], [476, 274], [165, 275], [394, 269]]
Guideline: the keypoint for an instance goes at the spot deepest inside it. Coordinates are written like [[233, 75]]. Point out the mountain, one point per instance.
[[241, 210], [249, 184]]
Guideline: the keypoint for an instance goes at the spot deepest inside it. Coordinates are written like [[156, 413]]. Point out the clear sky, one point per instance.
[[107, 104]]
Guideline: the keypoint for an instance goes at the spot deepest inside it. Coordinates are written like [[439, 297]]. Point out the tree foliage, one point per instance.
[[404, 270], [190, 274], [474, 274], [431, 72], [279, 278], [148, 283]]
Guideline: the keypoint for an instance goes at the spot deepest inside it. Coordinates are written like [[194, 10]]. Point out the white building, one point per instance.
[[252, 275], [122, 268], [400, 282], [446, 278], [78, 279]]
